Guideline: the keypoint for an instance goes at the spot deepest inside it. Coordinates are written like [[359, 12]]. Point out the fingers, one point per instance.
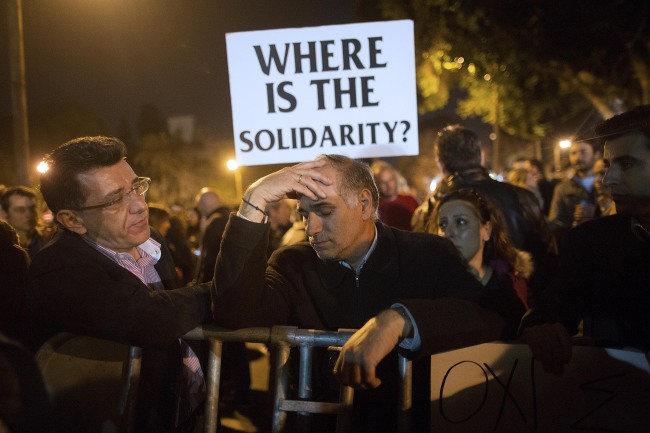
[[308, 180], [291, 182], [551, 345], [355, 371]]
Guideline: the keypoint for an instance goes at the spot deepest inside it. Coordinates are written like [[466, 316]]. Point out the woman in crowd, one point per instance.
[[470, 223]]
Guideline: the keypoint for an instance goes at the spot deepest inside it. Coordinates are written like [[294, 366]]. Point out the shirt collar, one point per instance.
[[149, 248], [373, 245]]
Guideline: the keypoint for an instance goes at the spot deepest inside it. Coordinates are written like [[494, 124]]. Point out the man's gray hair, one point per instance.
[[355, 177]]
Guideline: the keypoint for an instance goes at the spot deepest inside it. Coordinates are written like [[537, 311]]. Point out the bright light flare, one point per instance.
[[232, 165], [565, 144], [42, 167]]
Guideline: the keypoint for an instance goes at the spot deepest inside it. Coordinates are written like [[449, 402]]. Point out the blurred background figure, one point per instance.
[[193, 219], [19, 207], [14, 262], [577, 190], [234, 392], [524, 178], [395, 208], [470, 223], [296, 232], [279, 221], [214, 216], [159, 217], [604, 198], [172, 229], [545, 186]]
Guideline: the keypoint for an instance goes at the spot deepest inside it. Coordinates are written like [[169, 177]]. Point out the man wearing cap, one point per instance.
[[604, 274]]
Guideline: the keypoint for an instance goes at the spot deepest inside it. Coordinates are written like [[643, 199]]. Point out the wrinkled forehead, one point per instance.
[[103, 179]]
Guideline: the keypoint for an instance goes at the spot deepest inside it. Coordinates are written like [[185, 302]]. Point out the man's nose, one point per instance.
[[611, 177], [313, 225], [137, 203]]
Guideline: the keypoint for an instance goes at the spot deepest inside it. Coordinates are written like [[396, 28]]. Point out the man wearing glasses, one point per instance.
[[106, 275]]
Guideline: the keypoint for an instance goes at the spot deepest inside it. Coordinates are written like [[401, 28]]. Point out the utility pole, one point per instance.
[[496, 165], [18, 91]]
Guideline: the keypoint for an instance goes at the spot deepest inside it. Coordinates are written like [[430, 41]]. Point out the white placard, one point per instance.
[[347, 89], [498, 388]]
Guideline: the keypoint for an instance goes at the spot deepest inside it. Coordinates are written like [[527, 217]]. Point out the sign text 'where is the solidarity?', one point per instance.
[[346, 89]]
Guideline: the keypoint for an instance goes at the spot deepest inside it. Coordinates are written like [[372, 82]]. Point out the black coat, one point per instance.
[[604, 279], [75, 288], [422, 271]]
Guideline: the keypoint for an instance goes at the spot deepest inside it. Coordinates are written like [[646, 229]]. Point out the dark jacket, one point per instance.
[[75, 288], [604, 279], [567, 195], [518, 209], [211, 242], [422, 271]]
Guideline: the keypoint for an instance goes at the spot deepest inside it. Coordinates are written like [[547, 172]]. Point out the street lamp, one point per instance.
[[42, 167], [234, 166]]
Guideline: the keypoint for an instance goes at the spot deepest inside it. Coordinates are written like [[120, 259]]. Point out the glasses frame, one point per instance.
[[142, 183]]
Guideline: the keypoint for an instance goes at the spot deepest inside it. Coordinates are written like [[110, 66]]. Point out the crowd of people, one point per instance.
[[327, 244]]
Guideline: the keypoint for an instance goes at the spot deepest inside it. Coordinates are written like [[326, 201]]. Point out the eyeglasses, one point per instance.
[[139, 187]]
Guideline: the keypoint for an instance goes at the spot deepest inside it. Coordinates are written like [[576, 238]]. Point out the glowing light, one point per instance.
[[487, 77], [434, 183], [42, 167], [565, 144], [232, 165]]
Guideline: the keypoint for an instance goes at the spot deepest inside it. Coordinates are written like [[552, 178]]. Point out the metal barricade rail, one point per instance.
[[282, 338]]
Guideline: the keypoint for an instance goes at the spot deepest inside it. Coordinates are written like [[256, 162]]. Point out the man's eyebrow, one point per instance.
[[120, 189], [316, 205]]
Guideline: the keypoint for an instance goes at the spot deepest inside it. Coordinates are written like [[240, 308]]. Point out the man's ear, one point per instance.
[[71, 221], [3, 214], [366, 204]]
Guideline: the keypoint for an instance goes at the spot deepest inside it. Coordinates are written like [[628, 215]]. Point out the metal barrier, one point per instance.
[[282, 338]]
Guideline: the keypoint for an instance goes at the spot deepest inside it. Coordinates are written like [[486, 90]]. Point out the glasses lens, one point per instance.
[[142, 186]]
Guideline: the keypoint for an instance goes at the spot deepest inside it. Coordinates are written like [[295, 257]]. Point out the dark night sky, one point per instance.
[[111, 56]]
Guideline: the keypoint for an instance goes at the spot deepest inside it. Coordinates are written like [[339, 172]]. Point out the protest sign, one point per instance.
[[347, 89], [499, 388]]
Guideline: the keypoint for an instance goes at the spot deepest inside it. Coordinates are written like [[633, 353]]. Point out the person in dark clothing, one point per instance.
[[14, 262], [19, 207], [24, 404], [106, 274], [458, 151], [403, 289], [171, 228], [544, 185], [604, 275], [214, 215], [234, 391]]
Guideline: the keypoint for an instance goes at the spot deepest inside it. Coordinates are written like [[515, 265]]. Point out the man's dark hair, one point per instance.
[[60, 184], [635, 120], [457, 148], [355, 176], [7, 193]]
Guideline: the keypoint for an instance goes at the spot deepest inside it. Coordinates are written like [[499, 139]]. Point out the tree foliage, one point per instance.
[[527, 64], [179, 169]]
